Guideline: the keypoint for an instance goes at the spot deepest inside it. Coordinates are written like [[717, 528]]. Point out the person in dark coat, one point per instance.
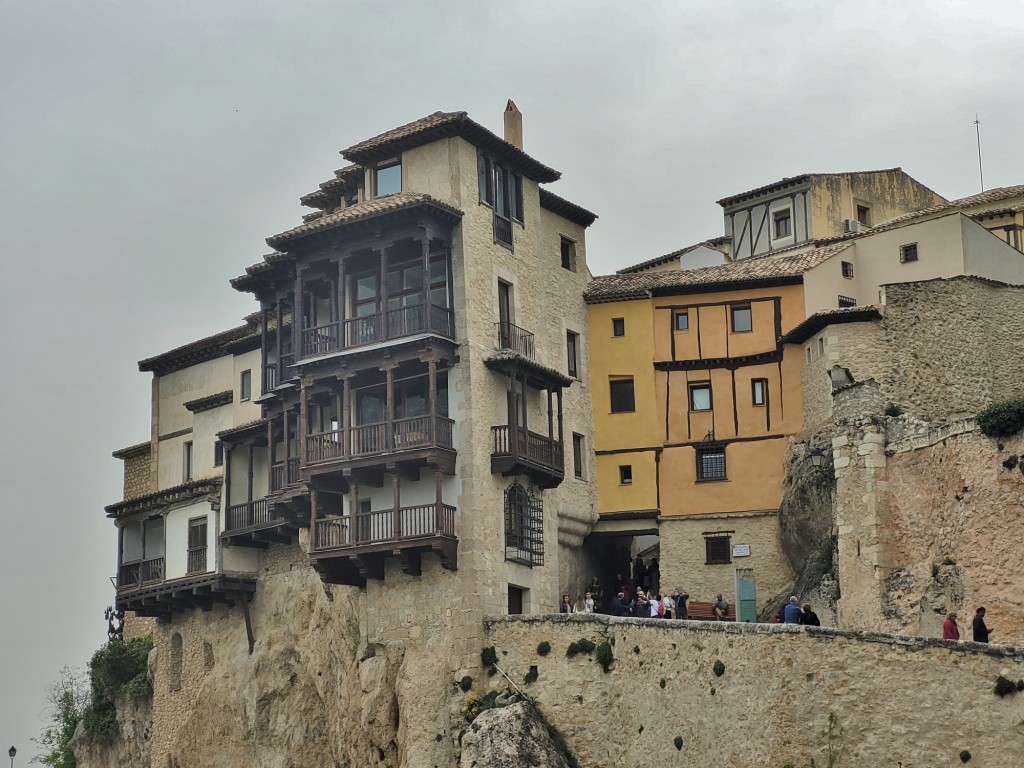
[[809, 617], [978, 628]]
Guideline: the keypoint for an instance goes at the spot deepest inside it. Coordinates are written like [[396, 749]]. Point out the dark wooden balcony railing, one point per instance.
[[396, 323], [140, 572], [383, 526], [371, 439], [247, 514], [274, 374], [325, 446], [515, 338], [197, 560], [320, 340], [284, 474], [527, 445]]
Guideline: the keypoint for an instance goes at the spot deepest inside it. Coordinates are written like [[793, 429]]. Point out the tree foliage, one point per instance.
[[1002, 419], [118, 668], [66, 700]]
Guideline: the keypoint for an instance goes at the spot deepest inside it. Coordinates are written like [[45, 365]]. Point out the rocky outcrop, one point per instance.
[[515, 736], [129, 749]]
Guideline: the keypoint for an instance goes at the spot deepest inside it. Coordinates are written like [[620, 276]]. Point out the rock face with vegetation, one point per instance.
[[511, 737]]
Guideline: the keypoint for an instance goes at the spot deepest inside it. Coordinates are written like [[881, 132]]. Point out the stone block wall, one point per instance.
[[136, 474], [897, 700]]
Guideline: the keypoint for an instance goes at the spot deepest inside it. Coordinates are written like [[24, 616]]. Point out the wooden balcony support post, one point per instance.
[[425, 307], [389, 437], [304, 421], [249, 476], [396, 502], [341, 301], [438, 503], [383, 294], [297, 318], [432, 400], [279, 340], [264, 352], [287, 444], [561, 439], [228, 447], [551, 430], [314, 503], [353, 514], [346, 420]]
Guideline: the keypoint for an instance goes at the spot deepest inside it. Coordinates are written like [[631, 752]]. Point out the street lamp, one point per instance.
[[12, 752], [817, 457]]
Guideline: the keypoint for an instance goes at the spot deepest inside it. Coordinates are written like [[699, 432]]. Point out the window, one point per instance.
[[717, 550], [682, 321], [388, 179], [502, 190], [847, 269], [186, 471], [711, 462], [864, 215], [847, 301], [245, 385], [626, 474], [700, 396], [197, 545], [577, 455], [618, 326], [218, 453], [568, 254], [908, 252], [821, 346], [515, 600], [782, 223], [742, 318], [524, 526], [622, 395], [759, 391], [572, 341]]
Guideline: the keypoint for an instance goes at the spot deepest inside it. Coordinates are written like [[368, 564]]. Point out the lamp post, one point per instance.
[[817, 457], [12, 752]]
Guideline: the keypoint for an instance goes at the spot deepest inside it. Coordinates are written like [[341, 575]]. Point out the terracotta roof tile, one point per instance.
[[820, 320], [566, 209], [763, 269], [194, 352], [713, 243], [365, 210], [347, 177], [131, 451]]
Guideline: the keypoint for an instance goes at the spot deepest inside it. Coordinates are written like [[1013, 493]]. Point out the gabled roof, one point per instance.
[[159, 499], [820, 320], [210, 401], [330, 190], [987, 197], [792, 181], [132, 451], [714, 243], [367, 209], [762, 270], [195, 352], [440, 125], [549, 201]]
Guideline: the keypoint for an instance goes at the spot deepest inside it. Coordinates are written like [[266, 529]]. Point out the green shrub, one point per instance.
[[119, 668], [604, 655], [583, 645], [964, 755], [662, 682], [532, 675], [678, 741], [1002, 419], [466, 683], [489, 656], [543, 648], [1004, 686], [719, 668]]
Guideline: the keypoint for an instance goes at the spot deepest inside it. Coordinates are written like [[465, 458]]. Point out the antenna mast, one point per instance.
[[977, 131]]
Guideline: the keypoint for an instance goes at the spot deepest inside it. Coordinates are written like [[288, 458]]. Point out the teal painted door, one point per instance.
[[746, 595]]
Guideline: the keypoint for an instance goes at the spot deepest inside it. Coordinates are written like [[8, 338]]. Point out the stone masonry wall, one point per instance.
[[136, 475], [899, 701]]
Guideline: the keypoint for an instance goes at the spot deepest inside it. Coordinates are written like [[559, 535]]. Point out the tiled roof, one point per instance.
[[194, 352], [132, 450], [567, 210], [736, 274], [241, 429], [152, 501], [367, 209], [347, 177], [790, 181], [963, 204], [713, 243], [210, 401], [820, 320], [441, 125]]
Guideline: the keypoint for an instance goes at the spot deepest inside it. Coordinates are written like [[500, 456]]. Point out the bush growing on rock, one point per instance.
[[604, 655], [1002, 419], [583, 645], [543, 648]]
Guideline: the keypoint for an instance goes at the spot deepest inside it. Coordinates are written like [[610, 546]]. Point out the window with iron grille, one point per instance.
[[524, 526], [711, 462], [847, 269], [908, 252], [717, 550]]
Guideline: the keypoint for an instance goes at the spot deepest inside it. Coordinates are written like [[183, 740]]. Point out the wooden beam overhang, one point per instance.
[[152, 501], [538, 376], [203, 591], [727, 363]]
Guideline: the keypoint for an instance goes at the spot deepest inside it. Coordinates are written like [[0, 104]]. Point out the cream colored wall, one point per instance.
[[245, 411], [428, 169], [887, 193], [986, 255], [176, 537]]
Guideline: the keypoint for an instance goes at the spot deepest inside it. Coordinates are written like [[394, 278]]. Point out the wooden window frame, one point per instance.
[[218, 453], [386, 166], [567, 251], [683, 315], [713, 545], [188, 460], [625, 474], [733, 309], [847, 267], [618, 327], [778, 217], [700, 385], [764, 392], [577, 456], [245, 385], [632, 394], [572, 353], [908, 253]]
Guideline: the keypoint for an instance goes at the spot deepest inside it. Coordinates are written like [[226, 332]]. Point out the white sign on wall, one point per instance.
[[741, 550]]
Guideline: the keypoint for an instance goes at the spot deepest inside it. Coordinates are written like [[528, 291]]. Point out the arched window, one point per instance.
[[524, 526], [175, 662]]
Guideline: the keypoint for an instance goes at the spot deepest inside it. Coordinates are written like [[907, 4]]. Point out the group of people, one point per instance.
[[979, 631], [632, 601], [794, 613]]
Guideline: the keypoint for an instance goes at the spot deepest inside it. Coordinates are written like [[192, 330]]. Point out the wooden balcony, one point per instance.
[[142, 588], [260, 523], [380, 326], [518, 451], [284, 474], [348, 550], [272, 372]]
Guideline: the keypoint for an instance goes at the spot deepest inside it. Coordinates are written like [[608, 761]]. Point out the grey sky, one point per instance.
[[147, 148]]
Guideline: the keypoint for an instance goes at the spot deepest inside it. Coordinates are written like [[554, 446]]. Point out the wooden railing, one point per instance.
[[273, 373], [527, 445], [247, 514], [385, 525], [320, 340], [325, 446], [140, 572], [396, 323], [371, 439], [515, 338], [284, 474], [197, 560]]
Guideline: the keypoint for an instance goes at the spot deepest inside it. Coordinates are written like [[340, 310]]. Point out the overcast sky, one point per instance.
[[147, 148]]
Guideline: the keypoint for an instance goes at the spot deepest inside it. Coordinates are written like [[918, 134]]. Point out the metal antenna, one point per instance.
[[977, 131]]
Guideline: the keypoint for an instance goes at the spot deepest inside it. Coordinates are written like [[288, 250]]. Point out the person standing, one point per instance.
[[950, 631], [808, 617], [566, 606], [670, 606], [979, 631], [590, 605], [680, 598], [791, 613]]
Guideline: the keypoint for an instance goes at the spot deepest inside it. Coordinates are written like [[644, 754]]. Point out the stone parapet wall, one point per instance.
[[898, 700]]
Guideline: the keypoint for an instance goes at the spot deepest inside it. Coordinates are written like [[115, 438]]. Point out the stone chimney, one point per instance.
[[513, 124]]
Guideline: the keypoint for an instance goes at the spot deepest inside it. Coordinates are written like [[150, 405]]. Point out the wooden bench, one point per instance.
[[699, 611]]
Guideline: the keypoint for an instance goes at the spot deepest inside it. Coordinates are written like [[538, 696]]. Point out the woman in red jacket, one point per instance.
[[950, 631]]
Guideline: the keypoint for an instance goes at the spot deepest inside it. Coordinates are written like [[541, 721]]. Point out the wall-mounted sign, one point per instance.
[[741, 550]]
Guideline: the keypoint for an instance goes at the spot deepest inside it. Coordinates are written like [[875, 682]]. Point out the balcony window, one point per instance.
[[524, 526], [197, 545], [388, 179]]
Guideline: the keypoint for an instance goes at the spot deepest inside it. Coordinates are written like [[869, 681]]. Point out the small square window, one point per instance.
[[782, 222], [742, 318], [864, 215], [622, 395], [682, 321], [572, 341], [711, 462], [908, 252], [759, 391], [568, 249], [618, 326], [218, 454], [577, 455], [626, 474], [245, 386], [700, 396], [388, 179], [847, 269], [717, 550]]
